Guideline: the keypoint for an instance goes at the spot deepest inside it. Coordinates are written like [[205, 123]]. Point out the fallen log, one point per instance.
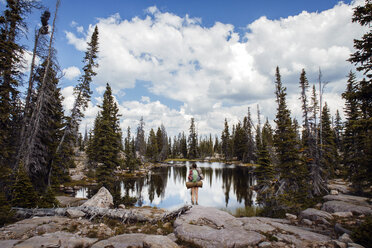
[[124, 215]]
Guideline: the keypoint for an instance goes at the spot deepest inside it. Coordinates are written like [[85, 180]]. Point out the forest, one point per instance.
[[293, 160]]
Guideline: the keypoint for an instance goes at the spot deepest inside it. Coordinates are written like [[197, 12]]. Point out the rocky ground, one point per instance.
[[323, 226]]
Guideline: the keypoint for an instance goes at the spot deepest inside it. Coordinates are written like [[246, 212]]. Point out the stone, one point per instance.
[[334, 192], [75, 213], [345, 238], [172, 237], [340, 188], [318, 205], [354, 245], [340, 206], [306, 222], [136, 240], [68, 190], [315, 215], [264, 244], [8, 243], [290, 216], [159, 231], [342, 214], [340, 229], [210, 227], [167, 225], [57, 239], [356, 200], [339, 244], [69, 201], [103, 199], [122, 206]]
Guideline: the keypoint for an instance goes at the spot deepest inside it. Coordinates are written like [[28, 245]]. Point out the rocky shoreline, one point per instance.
[[192, 226]]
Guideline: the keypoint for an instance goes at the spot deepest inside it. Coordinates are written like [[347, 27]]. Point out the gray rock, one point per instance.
[[354, 245], [103, 199], [339, 244], [265, 244], [290, 216], [315, 214], [340, 206], [70, 201], [345, 238], [343, 214], [136, 240], [57, 239], [306, 222], [334, 192], [8, 243], [356, 200], [75, 213], [172, 237], [339, 187], [210, 227]]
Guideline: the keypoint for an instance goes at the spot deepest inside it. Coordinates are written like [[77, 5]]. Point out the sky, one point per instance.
[[168, 61]]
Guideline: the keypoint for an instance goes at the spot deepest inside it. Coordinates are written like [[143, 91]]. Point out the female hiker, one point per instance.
[[195, 175]]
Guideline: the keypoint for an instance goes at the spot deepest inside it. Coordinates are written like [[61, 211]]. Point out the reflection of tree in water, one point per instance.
[[243, 179], [157, 182], [179, 174], [227, 178], [208, 175]]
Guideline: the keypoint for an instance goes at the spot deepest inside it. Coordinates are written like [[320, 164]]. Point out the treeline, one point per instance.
[[36, 138]]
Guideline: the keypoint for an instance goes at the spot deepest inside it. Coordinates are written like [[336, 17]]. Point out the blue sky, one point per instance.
[[169, 61]]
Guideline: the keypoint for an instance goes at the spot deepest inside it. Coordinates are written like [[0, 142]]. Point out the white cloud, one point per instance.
[[80, 29], [71, 72], [215, 71]]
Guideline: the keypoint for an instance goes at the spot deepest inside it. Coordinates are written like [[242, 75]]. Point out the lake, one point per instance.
[[224, 186]]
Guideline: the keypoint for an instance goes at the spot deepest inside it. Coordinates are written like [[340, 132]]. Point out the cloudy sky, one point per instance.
[[169, 60]]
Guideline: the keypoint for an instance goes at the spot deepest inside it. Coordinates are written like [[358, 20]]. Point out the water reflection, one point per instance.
[[224, 186]]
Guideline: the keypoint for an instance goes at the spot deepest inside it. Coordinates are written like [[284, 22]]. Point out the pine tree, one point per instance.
[[225, 142], [23, 192], [338, 131], [193, 140], [130, 158], [183, 143], [152, 147], [6, 213], [249, 154], [107, 140], [82, 90], [292, 188], [329, 151], [240, 142], [140, 138]]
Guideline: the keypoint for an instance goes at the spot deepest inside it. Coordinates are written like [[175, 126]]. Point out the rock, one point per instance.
[[167, 225], [341, 230], [68, 190], [69, 201], [343, 214], [159, 231], [334, 192], [8, 243], [345, 238], [265, 244], [103, 199], [75, 213], [315, 215], [340, 206], [356, 200], [172, 237], [339, 244], [136, 240], [57, 239], [339, 187], [210, 227], [290, 216], [306, 222], [122, 206], [354, 245], [318, 205]]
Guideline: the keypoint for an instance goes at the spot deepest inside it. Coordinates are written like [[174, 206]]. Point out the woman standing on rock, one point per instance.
[[195, 176]]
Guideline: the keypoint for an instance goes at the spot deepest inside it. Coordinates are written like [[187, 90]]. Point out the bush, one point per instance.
[[363, 234]]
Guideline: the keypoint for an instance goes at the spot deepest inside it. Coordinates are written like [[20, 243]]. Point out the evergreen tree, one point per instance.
[[360, 130], [292, 188], [152, 147], [107, 136], [23, 192], [183, 144], [249, 154], [130, 159], [140, 138], [240, 142], [6, 213], [82, 90], [338, 131], [225, 142], [329, 151], [193, 140]]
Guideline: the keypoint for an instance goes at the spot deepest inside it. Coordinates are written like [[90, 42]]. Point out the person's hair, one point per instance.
[[193, 166]]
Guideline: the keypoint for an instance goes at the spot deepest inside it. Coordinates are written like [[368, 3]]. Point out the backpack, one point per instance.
[[195, 175]]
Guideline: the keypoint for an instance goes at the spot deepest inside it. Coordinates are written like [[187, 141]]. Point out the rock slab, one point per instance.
[[340, 206]]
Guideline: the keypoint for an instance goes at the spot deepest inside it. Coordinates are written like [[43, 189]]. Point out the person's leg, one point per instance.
[[192, 195], [196, 195]]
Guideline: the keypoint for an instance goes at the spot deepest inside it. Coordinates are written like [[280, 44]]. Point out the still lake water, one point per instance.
[[224, 186]]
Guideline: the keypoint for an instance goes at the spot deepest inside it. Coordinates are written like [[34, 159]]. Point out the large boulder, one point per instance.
[[315, 215], [57, 239], [357, 200], [103, 199], [340, 206], [136, 240]]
